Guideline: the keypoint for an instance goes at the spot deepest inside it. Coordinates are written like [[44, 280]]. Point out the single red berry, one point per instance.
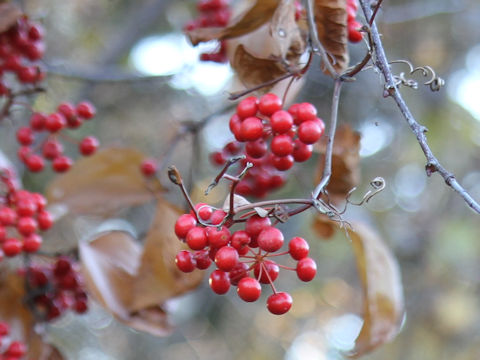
[[281, 121], [40, 200], [81, 306], [298, 248], [24, 152], [4, 328], [235, 125], [353, 34], [217, 217], [8, 216], [63, 266], [61, 164], [251, 129], [52, 149], [26, 226], [55, 122], [218, 158], [269, 103], [66, 109], [256, 149], [12, 247], [17, 349], [233, 148], [309, 132], [202, 260], [249, 289], [45, 220], [247, 107], [196, 238], [255, 224], [85, 110], [74, 122], [301, 151], [240, 239], [306, 269], [68, 281], [88, 145], [266, 271], [148, 167], [185, 261], [270, 239], [282, 145], [183, 224], [219, 282], [238, 272], [279, 303], [218, 238], [282, 163], [12, 63], [27, 74], [32, 243], [305, 112], [35, 163], [26, 206], [35, 32], [204, 211], [25, 135], [226, 258], [37, 121]]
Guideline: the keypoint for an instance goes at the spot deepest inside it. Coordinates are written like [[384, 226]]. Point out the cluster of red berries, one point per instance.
[[10, 350], [212, 13], [242, 258], [67, 116], [353, 26], [274, 139], [22, 216], [56, 288], [20, 47]]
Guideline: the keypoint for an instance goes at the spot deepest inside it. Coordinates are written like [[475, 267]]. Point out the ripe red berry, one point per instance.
[[269, 103], [185, 261], [255, 224], [35, 32], [26, 226], [282, 145], [309, 132], [183, 224], [204, 211], [202, 260], [270, 239], [4, 328], [249, 289], [353, 34], [85, 110], [218, 158], [218, 238], [34, 163], [247, 107], [45, 220], [196, 238], [306, 269], [88, 145], [298, 248], [148, 167], [217, 217], [238, 272], [63, 266], [301, 151], [52, 149], [282, 163], [61, 164], [12, 247], [55, 122], [251, 129], [279, 303], [32, 243], [37, 121], [16, 350], [81, 306], [26, 207], [240, 239], [281, 122], [8, 216], [256, 149], [219, 282], [25, 136], [27, 74], [266, 271], [226, 258], [305, 112], [66, 109], [233, 148]]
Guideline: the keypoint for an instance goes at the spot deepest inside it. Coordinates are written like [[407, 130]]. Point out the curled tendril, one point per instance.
[[378, 184], [435, 83]]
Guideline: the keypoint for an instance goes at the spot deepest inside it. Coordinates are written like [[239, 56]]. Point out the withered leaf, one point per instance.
[[382, 290], [345, 162], [103, 183], [9, 14], [331, 21], [260, 13], [158, 278]]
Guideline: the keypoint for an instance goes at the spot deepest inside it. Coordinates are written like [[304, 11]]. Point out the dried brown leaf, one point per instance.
[[103, 183], [331, 21], [158, 278], [260, 13], [382, 290], [345, 162], [9, 14]]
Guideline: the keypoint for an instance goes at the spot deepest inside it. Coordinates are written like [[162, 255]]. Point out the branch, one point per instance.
[[433, 165]]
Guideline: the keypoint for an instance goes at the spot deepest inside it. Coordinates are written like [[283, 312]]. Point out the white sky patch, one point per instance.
[[376, 135]]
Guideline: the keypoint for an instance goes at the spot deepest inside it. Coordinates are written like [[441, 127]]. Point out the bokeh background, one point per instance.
[[132, 61]]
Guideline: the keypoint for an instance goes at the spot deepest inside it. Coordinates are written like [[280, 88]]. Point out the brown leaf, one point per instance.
[[260, 13], [9, 14], [158, 278], [345, 162], [382, 290], [103, 183], [331, 21]]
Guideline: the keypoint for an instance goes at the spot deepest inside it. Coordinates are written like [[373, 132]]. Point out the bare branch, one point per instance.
[[433, 165]]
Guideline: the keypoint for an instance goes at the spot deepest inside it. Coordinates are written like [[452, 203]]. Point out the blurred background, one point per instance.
[[132, 61]]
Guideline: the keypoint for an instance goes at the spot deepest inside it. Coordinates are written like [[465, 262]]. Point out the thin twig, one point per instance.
[[433, 165]]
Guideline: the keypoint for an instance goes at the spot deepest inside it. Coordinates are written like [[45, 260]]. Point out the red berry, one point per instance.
[[40, 200], [61, 164], [185, 261], [25, 136], [249, 289], [196, 238], [235, 124], [218, 158], [32, 243], [88, 145], [255, 224], [266, 271], [51, 149], [353, 34], [217, 217], [282, 145], [148, 167], [35, 163], [45, 220], [298, 248], [27, 74], [66, 109], [26, 206], [17, 349], [55, 122], [4, 328], [23, 153], [240, 239], [282, 163], [256, 149], [219, 282], [183, 224], [309, 132], [202, 259], [301, 151], [218, 238], [86, 110], [63, 266], [279, 303], [35, 32], [269, 103], [270, 239], [247, 107], [81, 306], [306, 269], [8, 216], [204, 211], [37, 121], [238, 272], [305, 112], [26, 226], [226, 258], [281, 122], [233, 148], [12, 247], [251, 129]]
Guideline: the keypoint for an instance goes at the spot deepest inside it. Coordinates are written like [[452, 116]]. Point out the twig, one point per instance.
[[327, 170], [433, 165]]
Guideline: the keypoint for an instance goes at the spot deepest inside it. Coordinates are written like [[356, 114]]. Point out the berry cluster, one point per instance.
[[273, 139], [353, 26], [20, 47], [243, 258], [22, 216], [212, 13], [10, 350], [67, 116], [56, 288]]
